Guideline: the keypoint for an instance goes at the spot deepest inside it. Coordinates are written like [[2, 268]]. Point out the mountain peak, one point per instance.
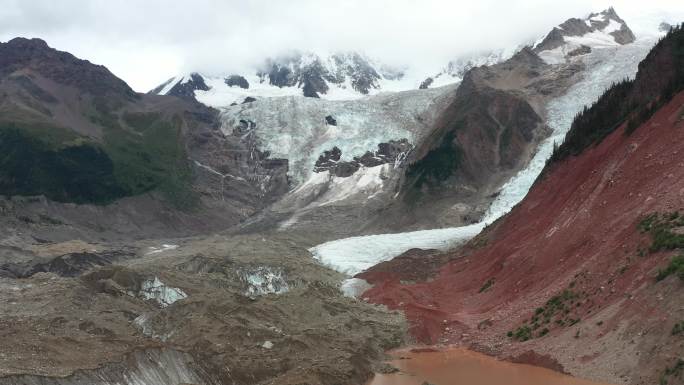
[[340, 75], [38, 57], [578, 36], [22, 42]]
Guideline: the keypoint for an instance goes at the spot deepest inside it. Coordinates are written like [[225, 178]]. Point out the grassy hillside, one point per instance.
[[143, 153]]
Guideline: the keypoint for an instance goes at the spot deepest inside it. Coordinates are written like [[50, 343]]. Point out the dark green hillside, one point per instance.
[[660, 77]]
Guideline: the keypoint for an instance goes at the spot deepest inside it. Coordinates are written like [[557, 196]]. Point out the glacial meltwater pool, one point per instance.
[[457, 366]]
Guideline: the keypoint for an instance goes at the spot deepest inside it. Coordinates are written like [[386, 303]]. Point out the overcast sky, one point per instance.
[[147, 41]]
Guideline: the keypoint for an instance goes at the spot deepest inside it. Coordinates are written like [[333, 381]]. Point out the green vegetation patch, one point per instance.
[[523, 333], [438, 165], [487, 285], [661, 227], [78, 173], [148, 154], [151, 157], [678, 328], [557, 311], [673, 372], [676, 266]]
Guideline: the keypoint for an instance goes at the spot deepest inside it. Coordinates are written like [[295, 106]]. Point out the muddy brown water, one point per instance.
[[458, 366]]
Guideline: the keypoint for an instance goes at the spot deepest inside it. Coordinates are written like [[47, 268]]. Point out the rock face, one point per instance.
[[393, 151], [426, 83], [184, 88], [664, 27], [237, 81], [313, 74], [459, 66], [487, 132], [581, 50]]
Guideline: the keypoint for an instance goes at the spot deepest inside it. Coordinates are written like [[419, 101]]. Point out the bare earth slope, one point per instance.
[[573, 240]]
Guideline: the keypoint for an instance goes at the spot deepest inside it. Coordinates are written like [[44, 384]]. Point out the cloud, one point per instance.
[[146, 42]]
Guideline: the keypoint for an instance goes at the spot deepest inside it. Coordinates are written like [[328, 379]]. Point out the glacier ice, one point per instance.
[[354, 287], [156, 290], [326, 189], [356, 254], [264, 280], [605, 65], [295, 127]]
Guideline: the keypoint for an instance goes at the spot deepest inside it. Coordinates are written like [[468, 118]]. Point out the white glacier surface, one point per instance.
[[356, 254], [295, 127], [604, 66]]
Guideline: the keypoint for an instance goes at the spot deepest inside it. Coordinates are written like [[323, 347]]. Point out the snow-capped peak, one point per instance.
[[576, 37], [338, 76], [457, 67]]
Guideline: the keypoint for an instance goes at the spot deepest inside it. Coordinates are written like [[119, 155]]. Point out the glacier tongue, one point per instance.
[[356, 254], [604, 67]]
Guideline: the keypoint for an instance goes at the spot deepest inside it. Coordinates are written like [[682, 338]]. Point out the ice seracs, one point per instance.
[[263, 280], [154, 289], [296, 128]]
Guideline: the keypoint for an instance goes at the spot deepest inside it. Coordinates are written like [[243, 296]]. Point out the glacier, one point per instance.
[[356, 254], [295, 127], [605, 65]]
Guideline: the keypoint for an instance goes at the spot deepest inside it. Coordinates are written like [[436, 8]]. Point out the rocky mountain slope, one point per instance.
[[74, 133], [583, 272], [99, 181]]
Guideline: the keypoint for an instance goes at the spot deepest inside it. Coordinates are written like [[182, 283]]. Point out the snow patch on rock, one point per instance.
[[326, 189], [161, 249]]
